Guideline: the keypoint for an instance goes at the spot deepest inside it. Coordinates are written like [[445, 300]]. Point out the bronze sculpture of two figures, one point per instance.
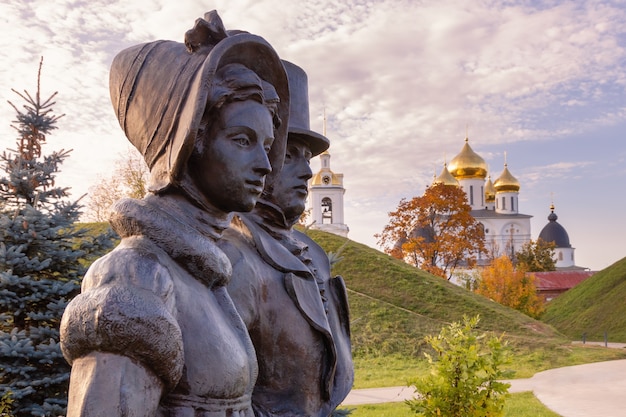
[[212, 305]]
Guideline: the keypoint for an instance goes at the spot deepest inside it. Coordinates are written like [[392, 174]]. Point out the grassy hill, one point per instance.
[[394, 305], [593, 307]]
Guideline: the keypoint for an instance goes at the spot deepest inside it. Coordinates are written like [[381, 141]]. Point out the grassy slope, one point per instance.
[[593, 307], [95, 228], [394, 305]]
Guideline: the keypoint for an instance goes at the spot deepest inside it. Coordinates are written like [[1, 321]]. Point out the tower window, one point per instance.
[[471, 193], [512, 203], [503, 203], [327, 211]]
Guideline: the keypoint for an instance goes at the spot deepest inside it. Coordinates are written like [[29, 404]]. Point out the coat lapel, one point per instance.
[[299, 281], [302, 289]]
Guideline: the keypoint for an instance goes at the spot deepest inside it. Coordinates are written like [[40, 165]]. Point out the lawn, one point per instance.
[[523, 404], [397, 370]]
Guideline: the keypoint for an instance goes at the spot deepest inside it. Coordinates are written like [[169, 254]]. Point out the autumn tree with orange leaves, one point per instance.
[[435, 231], [511, 287]]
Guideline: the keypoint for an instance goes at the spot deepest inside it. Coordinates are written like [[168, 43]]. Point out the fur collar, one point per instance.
[[186, 233]]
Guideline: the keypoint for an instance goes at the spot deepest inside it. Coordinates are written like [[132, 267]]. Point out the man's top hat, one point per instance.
[[299, 123]]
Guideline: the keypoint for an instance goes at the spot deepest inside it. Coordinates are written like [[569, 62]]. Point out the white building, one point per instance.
[[325, 199], [495, 205]]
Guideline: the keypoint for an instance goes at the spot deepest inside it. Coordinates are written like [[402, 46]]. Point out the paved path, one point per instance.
[[591, 390]]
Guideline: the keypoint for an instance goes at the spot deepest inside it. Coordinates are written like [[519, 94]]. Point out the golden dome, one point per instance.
[[468, 164], [326, 177], [506, 182], [445, 177], [490, 191]]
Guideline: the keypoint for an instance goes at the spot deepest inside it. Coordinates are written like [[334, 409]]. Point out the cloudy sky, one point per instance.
[[401, 82]]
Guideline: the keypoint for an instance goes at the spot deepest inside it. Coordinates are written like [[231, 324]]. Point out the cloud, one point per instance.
[[400, 81], [559, 170]]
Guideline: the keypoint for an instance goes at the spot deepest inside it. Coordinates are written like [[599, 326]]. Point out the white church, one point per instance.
[[496, 205]]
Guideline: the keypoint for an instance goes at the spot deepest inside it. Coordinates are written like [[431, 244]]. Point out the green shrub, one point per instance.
[[463, 378]]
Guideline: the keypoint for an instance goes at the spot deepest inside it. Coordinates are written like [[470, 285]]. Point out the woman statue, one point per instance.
[[154, 332]]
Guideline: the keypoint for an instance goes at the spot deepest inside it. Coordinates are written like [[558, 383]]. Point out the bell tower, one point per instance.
[[325, 198]]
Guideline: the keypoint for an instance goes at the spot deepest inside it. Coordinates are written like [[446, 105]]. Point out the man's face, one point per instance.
[[230, 165], [290, 188]]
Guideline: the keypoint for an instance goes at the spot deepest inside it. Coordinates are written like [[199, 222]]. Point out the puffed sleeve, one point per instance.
[[127, 308]]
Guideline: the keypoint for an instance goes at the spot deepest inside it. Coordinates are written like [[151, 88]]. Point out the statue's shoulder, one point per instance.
[[130, 252], [136, 261], [317, 253], [314, 247]]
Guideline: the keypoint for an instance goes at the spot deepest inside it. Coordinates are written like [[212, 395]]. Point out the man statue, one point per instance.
[[296, 313], [154, 331]]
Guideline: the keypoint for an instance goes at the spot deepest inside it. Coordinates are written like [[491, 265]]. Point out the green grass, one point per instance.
[[593, 307], [523, 404], [95, 228], [397, 370], [380, 410], [386, 371], [527, 363], [394, 306]]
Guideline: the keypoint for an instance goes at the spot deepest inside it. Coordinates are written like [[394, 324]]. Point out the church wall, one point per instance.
[[498, 238], [475, 192], [564, 257], [507, 203]]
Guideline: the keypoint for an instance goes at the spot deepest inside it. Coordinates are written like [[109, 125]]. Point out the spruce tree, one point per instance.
[[43, 256]]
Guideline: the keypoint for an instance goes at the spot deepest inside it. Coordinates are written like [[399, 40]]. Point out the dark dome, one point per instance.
[[554, 232], [425, 232]]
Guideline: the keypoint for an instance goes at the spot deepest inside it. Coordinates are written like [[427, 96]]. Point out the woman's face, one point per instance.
[[230, 164]]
